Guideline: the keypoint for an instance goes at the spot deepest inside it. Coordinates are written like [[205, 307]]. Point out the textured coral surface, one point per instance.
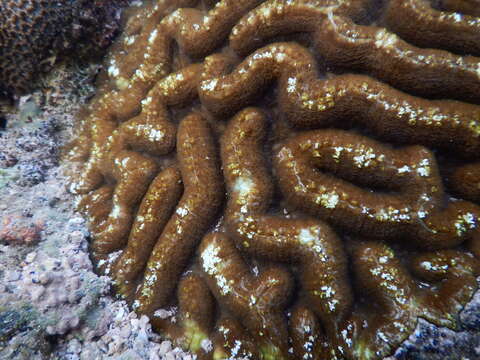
[[291, 179], [32, 32]]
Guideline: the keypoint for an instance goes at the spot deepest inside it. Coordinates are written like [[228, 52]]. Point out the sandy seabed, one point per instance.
[[52, 304]]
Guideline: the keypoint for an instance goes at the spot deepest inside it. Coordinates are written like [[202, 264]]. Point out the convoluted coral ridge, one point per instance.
[[288, 179]]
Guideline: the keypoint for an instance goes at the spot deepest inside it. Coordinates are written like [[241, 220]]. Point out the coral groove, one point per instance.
[[288, 179]]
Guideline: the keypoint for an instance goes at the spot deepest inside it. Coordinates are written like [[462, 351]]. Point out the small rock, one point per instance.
[[30, 257]]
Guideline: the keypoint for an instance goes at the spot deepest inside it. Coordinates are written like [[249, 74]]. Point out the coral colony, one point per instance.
[[34, 32], [292, 179]]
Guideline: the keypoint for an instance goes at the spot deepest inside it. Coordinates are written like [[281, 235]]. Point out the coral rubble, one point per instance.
[[349, 202]]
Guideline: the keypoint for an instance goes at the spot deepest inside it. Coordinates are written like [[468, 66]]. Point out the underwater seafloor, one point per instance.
[[52, 304]]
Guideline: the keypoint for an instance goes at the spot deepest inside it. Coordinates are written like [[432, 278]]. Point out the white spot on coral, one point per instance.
[[182, 211], [206, 345], [129, 40], [280, 57], [328, 200], [422, 214], [383, 259], [403, 169], [338, 151], [164, 313], [153, 36], [209, 85], [457, 17], [424, 169], [113, 70], [140, 74], [115, 211], [156, 135], [147, 101], [292, 84], [307, 236], [243, 186], [385, 39], [212, 265]]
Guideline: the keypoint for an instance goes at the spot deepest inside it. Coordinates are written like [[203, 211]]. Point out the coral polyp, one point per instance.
[[288, 179]]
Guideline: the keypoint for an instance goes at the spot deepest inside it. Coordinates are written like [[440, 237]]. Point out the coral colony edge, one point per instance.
[[293, 179]]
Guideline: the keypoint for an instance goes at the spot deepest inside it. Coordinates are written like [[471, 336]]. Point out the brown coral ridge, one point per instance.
[[402, 298], [369, 49], [308, 101], [465, 181], [272, 279], [161, 228], [150, 131], [452, 31], [196, 308], [315, 171], [255, 300]]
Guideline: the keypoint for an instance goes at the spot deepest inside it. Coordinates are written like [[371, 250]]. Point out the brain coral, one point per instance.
[[291, 179], [33, 30]]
